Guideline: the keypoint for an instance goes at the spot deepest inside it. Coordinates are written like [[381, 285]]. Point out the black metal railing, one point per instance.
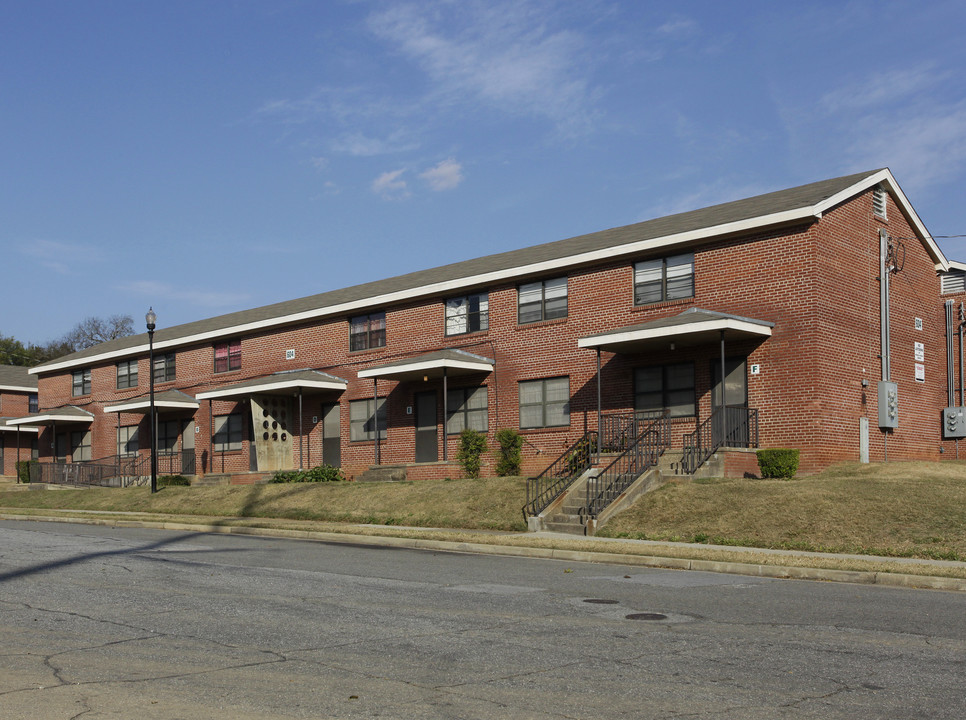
[[730, 426], [113, 470], [643, 453], [75, 473], [618, 431], [572, 463]]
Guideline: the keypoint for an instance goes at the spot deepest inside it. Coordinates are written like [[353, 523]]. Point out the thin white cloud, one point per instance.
[[58, 257], [358, 144], [882, 88], [159, 291], [447, 175], [504, 55], [391, 186]]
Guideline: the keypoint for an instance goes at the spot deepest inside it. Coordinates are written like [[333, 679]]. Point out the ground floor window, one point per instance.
[[363, 419], [168, 432], [545, 403], [127, 440], [665, 386], [466, 410], [228, 432], [77, 443]]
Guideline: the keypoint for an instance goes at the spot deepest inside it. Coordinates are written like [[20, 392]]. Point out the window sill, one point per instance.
[[663, 304], [551, 428], [541, 323], [374, 351]]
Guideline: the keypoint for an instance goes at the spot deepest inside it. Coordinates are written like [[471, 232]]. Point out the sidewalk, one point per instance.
[[758, 562]]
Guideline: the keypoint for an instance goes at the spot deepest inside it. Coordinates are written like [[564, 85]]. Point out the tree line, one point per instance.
[[87, 333]]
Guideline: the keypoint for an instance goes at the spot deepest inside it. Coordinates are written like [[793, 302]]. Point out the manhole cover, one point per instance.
[[600, 601], [645, 616]]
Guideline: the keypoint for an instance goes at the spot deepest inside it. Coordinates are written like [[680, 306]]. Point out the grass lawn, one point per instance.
[[895, 509]]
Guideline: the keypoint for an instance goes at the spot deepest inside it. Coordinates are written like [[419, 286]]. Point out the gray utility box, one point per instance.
[[954, 423], [888, 404]]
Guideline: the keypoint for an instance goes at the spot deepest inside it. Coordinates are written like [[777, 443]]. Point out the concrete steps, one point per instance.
[[383, 473], [565, 518]]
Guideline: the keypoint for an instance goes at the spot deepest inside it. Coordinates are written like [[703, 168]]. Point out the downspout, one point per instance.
[[884, 340], [599, 414], [445, 414], [375, 413]]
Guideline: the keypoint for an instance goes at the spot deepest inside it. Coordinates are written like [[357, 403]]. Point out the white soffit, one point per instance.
[[271, 387], [631, 336], [426, 365], [143, 404]]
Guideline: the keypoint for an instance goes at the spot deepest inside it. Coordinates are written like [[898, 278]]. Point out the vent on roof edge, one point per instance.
[[879, 202], [953, 281]]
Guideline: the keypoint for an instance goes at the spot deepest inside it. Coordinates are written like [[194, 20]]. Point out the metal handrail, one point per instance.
[[113, 470], [618, 431], [728, 426], [613, 480], [561, 474]]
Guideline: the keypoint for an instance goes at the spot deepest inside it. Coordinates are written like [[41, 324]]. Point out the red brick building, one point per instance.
[[782, 294], [18, 397]]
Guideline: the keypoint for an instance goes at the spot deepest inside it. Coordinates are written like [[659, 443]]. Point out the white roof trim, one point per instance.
[[27, 428], [18, 388], [142, 404], [270, 387], [673, 330], [883, 176], [426, 365], [44, 418]]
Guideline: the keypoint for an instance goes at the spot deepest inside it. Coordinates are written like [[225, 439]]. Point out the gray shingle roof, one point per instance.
[[796, 198], [15, 376]]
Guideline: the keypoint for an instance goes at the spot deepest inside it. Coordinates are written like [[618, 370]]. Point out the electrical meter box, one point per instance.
[[888, 404], [954, 423]]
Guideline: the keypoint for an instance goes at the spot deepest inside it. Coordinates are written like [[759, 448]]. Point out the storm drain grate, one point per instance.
[[600, 601]]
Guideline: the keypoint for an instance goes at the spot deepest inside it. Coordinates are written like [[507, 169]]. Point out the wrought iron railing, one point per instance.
[[112, 471], [730, 426], [572, 463], [614, 479], [75, 473], [618, 431]]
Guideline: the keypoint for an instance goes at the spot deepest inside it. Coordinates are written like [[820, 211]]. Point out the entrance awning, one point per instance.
[[279, 383], [692, 327], [63, 414], [431, 365], [167, 400], [4, 427]]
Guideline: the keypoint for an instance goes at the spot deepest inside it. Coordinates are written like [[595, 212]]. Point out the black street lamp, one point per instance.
[[150, 319]]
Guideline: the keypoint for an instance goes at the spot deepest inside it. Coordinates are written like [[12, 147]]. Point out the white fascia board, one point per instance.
[[425, 365], [26, 428], [272, 387], [957, 265], [885, 177], [456, 284], [146, 404], [674, 330], [18, 388], [46, 417]]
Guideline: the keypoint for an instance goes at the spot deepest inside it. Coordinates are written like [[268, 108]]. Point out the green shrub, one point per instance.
[[510, 441], [778, 462], [320, 473], [23, 470], [579, 457], [472, 446], [173, 480]]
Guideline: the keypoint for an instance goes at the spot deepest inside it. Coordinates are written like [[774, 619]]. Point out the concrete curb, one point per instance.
[[861, 577]]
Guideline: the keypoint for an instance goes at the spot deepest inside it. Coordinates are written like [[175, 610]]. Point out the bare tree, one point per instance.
[[94, 330]]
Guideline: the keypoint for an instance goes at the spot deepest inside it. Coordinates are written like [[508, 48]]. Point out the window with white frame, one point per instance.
[[545, 403], [668, 278], [228, 432], [544, 300], [127, 374], [33, 403], [470, 313], [363, 420], [127, 440], [466, 409], [665, 386], [81, 382], [367, 331]]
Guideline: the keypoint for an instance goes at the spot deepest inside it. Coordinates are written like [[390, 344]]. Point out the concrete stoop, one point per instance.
[[383, 473]]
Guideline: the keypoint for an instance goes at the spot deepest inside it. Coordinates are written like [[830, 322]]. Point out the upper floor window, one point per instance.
[[669, 278], [163, 368], [33, 404], [544, 300], [228, 356], [127, 374], [545, 403], [81, 382], [367, 331], [467, 314]]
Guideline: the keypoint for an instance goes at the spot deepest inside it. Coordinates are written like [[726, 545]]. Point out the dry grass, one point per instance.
[[895, 509]]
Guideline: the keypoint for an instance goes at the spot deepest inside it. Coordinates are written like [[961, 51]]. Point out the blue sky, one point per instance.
[[205, 157]]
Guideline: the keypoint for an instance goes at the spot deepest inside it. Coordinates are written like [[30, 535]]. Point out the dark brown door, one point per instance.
[[331, 438], [427, 441]]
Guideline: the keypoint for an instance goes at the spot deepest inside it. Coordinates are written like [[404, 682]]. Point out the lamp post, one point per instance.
[[150, 319]]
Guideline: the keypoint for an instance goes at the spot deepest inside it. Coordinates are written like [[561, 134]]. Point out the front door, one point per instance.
[[427, 442], [732, 427], [331, 437]]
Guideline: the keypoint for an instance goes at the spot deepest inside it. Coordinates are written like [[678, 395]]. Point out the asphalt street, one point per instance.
[[101, 622]]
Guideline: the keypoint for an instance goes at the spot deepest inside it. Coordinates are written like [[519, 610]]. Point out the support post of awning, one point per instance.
[[599, 414], [301, 441], [445, 415], [16, 463], [375, 413]]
